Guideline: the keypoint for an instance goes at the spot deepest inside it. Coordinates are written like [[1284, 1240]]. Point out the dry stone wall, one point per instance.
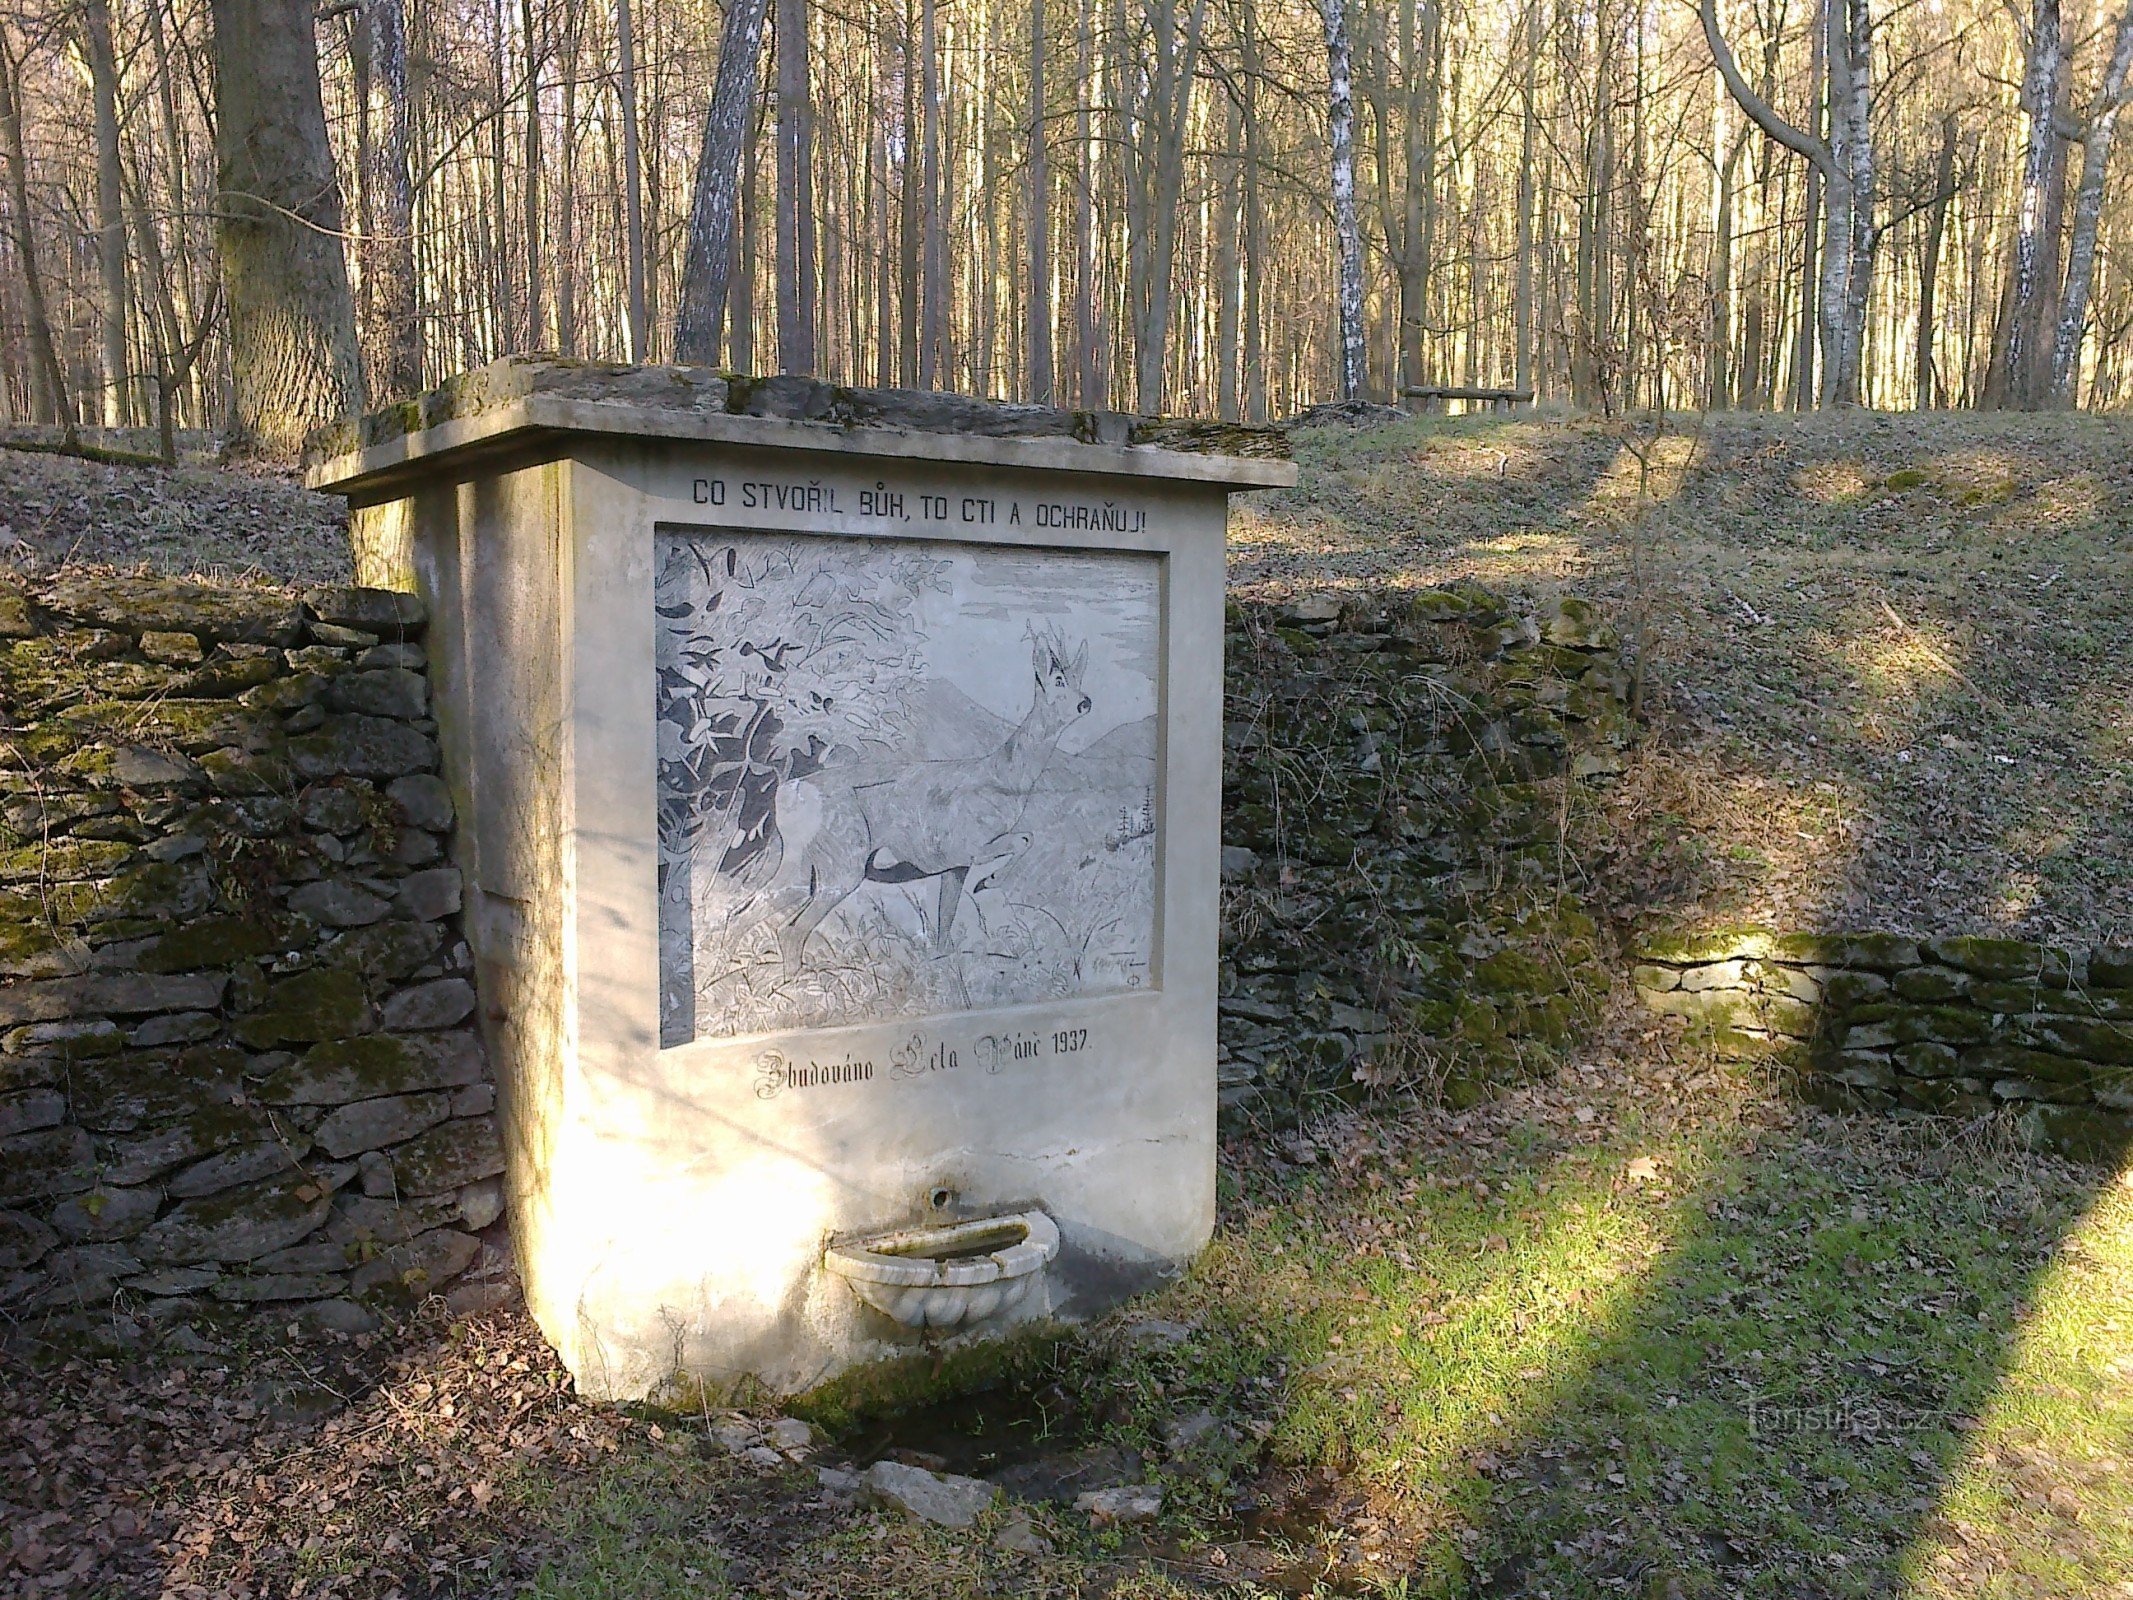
[[239, 1066], [1954, 1027], [1394, 779]]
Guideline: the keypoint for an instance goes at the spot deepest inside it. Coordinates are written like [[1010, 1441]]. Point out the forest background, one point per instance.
[[253, 216]]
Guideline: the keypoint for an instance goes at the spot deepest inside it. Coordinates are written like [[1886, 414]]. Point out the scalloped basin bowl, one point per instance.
[[947, 1277]]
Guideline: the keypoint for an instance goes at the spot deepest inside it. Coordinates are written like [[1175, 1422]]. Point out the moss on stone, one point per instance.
[[312, 1006], [214, 942]]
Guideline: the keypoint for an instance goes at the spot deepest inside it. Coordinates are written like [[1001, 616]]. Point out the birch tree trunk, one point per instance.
[[1846, 163], [1858, 153], [712, 207], [278, 230], [110, 211], [2096, 140], [2025, 356], [632, 182], [1340, 120]]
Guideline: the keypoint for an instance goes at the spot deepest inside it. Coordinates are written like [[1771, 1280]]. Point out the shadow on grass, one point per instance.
[[1704, 1360]]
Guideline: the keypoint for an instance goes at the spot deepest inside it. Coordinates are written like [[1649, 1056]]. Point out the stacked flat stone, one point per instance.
[[1392, 777], [238, 1061], [1956, 1026]]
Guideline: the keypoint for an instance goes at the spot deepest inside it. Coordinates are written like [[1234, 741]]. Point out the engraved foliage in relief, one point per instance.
[[899, 779]]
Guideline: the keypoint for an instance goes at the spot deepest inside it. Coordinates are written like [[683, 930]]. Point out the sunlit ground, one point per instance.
[[1928, 614]]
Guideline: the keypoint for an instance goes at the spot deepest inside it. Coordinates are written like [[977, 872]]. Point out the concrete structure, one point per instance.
[[841, 772]]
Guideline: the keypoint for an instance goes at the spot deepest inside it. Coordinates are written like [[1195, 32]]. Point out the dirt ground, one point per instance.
[[192, 520]]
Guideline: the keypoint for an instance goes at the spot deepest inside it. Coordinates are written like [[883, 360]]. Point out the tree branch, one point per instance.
[[1757, 108]]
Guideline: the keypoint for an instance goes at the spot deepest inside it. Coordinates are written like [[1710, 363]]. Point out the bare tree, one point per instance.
[[389, 274], [795, 205], [1040, 219], [706, 273], [58, 399], [1846, 163], [102, 58]]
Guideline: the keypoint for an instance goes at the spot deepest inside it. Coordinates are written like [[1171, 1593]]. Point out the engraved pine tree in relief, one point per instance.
[[900, 780]]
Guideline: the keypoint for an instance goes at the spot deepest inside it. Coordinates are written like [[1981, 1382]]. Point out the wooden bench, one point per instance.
[[1495, 399]]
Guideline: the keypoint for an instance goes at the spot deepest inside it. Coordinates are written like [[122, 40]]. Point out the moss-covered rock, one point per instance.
[[2081, 1132], [45, 1164], [363, 747], [326, 1004], [239, 1224], [133, 605], [121, 1093], [217, 942], [2003, 959], [449, 1157], [346, 1070]]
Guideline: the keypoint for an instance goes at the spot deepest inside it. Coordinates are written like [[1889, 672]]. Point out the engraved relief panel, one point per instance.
[[900, 779]]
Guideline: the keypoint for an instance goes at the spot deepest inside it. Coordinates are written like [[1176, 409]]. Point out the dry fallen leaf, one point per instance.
[[1642, 1170]]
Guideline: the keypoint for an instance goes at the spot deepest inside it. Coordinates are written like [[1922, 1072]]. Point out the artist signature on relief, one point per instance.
[[920, 1056]]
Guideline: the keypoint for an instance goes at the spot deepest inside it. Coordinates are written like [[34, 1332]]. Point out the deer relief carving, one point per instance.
[[957, 820]]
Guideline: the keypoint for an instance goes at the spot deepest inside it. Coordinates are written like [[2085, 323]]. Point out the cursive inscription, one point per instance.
[[922, 1055]]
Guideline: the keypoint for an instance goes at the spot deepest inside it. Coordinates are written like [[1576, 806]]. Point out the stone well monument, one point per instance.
[[841, 772]]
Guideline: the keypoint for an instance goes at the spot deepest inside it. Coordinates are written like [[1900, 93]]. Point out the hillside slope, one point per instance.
[[1886, 656]]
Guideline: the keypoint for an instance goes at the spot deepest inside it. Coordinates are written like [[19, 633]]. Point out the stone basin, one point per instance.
[[950, 1276]]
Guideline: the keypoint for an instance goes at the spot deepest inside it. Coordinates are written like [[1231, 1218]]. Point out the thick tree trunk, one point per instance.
[[97, 47], [278, 229], [1340, 122], [1040, 220], [715, 203], [638, 312], [2097, 138], [1162, 115]]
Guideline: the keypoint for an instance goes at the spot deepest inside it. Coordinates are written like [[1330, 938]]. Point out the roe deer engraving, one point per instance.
[[956, 819]]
